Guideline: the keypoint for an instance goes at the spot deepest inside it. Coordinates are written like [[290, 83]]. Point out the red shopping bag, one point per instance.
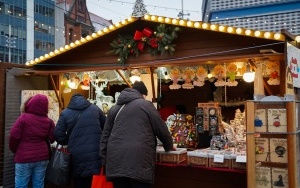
[[99, 181]]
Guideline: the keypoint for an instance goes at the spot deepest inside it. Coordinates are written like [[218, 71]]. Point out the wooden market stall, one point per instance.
[[196, 44]]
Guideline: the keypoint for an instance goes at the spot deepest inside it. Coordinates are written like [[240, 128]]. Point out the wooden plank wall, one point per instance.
[[12, 101]]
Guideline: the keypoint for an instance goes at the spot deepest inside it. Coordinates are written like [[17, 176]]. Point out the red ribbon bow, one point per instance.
[[142, 37]]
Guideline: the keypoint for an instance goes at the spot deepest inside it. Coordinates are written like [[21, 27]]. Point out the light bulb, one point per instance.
[[249, 76]]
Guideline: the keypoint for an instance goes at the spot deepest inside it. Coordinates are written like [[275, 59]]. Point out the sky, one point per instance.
[[118, 10]]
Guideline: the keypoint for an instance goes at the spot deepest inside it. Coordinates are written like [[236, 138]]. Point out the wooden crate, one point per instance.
[[226, 164], [178, 156], [237, 165], [196, 158]]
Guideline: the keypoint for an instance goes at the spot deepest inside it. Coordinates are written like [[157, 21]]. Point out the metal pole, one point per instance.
[[9, 45], [182, 8]]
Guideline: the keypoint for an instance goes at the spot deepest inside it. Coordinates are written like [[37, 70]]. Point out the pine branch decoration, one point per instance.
[[158, 43]]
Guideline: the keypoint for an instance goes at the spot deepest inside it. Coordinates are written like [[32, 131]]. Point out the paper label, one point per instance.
[[219, 158], [241, 159]]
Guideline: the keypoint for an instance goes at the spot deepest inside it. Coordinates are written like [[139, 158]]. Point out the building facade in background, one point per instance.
[[267, 15], [32, 28], [28, 29]]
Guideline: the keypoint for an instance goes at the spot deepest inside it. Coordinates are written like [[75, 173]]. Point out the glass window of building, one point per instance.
[[81, 5], [6, 30], [1, 7], [36, 8], [1, 29], [10, 10]]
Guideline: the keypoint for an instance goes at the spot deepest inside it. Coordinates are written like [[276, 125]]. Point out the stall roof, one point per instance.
[[197, 42]]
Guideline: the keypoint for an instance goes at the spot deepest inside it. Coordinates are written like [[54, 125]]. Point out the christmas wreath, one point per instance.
[[158, 42]]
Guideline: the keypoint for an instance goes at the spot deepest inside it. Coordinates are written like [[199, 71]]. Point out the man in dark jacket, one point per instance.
[[128, 143], [80, 127]]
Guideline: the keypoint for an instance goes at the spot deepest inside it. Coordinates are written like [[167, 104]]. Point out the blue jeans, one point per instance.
[[35, 171]]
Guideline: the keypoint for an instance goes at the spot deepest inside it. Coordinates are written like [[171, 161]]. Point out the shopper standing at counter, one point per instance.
[[128, 142], [80, 127], [28, 141]]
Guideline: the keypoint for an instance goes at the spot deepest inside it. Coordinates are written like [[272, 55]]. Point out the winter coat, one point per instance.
[[29, 134], [128, 143], [80, 127]]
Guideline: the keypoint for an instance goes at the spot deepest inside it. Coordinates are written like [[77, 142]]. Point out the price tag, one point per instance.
[[241, 159], [219, 158]]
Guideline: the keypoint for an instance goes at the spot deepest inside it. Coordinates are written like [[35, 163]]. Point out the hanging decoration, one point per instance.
[[143, 37], [124, 46], [188, 76], [175, 74], [85, 82], [231, 71], [273, 70], [201, 74], [219, 72], [158, 42], [139, 9]]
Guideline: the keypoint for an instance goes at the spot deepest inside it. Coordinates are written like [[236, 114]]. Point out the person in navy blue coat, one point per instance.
[[80, 127]]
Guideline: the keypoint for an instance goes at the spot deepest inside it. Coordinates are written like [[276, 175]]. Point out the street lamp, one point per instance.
[[181, 14], [10, 42]]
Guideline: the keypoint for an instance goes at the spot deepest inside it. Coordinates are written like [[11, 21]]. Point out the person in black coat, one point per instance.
[[128, 142], [80, 127]]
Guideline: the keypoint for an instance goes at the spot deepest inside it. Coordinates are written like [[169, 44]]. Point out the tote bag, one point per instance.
[[99, 181], [58, 170]]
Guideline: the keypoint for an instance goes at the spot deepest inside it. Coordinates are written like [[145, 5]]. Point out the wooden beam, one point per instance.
[[55, 90], [153, 85], [123, 77]]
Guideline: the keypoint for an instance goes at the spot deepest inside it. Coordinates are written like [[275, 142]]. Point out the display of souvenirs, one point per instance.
[[240, 128], [231, 71], [201, 74], [218, 142], [280, 177], [53, 111], [235, 132], [188, 76], [273, 69], [175, 75], [228, 131], [219, 72], [183, 130], [278, 150], [262, 149], [263, 177], [260, 121], [208, 116], [277, 120]]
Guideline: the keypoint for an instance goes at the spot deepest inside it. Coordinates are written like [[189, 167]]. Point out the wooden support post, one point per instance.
[[251, 182], [55, 90], [153, 85], [292, 144]]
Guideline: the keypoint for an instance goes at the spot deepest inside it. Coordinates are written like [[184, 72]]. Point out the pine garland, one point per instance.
[[160, 42]]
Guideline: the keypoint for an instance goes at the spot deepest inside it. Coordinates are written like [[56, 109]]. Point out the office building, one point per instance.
[[28, 29], [268, 15]]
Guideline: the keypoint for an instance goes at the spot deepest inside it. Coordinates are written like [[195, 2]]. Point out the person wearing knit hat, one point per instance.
[[128, 142], [140, 86]]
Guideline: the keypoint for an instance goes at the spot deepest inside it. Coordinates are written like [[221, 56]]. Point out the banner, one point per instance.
[[293, 61]]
